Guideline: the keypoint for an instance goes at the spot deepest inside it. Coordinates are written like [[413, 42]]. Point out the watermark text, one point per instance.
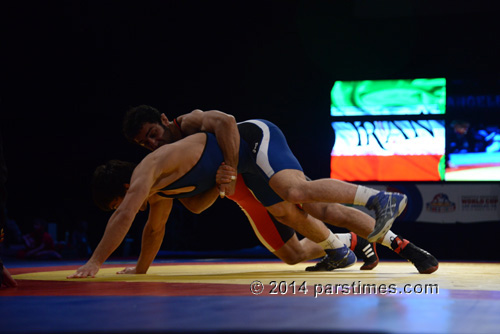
[[354, 288]]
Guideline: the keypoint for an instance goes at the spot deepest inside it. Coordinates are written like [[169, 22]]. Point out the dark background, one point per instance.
[[70, 69]]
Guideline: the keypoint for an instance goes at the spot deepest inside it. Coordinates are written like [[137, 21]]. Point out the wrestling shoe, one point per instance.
[[387, 206], [365, 251], [421, 259], [334, 259]]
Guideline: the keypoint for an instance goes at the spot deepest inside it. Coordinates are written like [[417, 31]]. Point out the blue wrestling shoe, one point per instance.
[[387, 206], [335, 259]]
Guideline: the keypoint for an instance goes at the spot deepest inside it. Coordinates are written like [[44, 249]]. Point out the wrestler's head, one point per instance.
[[145, 126], [110, 183]]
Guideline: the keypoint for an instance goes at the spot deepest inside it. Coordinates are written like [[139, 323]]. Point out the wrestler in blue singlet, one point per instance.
[[269, 152], [263, 152], [269, 146], [202, 175], [272, 233]]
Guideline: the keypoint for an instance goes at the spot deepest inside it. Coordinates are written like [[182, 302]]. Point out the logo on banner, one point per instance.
[[441, 204], [479, 203]]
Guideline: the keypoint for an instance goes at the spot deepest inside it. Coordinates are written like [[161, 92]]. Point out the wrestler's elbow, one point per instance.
[[226, 121], [196, 210], [193, 207]]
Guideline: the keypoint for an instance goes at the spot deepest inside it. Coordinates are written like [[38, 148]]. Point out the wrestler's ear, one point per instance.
[[164, 119]]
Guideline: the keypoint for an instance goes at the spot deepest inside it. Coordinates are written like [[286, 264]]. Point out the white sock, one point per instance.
[[332, 242], [388, 238], [345, 238], [363, 194]]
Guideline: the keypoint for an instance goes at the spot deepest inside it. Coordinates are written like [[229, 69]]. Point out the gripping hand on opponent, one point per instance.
[[226, 179]]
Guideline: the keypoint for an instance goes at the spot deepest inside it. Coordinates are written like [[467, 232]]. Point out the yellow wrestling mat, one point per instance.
[[458, 276]]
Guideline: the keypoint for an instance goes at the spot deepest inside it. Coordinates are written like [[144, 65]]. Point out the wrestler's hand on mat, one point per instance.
[[226, 179], [128, 270], [89, 269], [7, 280]]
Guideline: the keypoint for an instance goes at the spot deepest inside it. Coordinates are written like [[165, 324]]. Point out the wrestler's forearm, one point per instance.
[[116, 230], [224, 127], [228, 138], [151, 243]]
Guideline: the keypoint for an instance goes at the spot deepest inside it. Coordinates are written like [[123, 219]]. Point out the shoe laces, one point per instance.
[[386, 207]]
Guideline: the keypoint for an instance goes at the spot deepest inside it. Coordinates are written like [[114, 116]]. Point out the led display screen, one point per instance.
[[416, 130], [473, 130], [388, 97], [473, 150]]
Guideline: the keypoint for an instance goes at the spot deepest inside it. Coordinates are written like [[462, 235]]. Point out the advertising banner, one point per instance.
[[449, 203]]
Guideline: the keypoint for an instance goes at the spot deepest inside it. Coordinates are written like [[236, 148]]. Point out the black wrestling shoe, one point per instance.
[[335, 259], [387, 206], [365, 251], [421, 259]]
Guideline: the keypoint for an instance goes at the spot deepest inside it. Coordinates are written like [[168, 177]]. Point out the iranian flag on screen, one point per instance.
[[388, 150]]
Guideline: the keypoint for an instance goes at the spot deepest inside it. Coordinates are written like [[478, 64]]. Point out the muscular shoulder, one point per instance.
[[208, 121], [175, 153], [171, 161]]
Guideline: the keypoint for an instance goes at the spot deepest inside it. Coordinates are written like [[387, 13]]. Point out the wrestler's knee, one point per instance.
[[292, 258], [291, 185], [287, 213], [292, 252], [279, 210], [294, 195]]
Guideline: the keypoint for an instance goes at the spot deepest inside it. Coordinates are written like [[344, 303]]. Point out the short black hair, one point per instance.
[[108, 182], [136, 117]]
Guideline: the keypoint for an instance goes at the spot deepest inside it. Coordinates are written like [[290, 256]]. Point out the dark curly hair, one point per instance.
[[108, 182], [136, 117]]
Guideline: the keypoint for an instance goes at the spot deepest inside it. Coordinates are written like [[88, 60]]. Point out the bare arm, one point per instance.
[[226, 132], [154, 231], [201, 202], [120, 222]]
